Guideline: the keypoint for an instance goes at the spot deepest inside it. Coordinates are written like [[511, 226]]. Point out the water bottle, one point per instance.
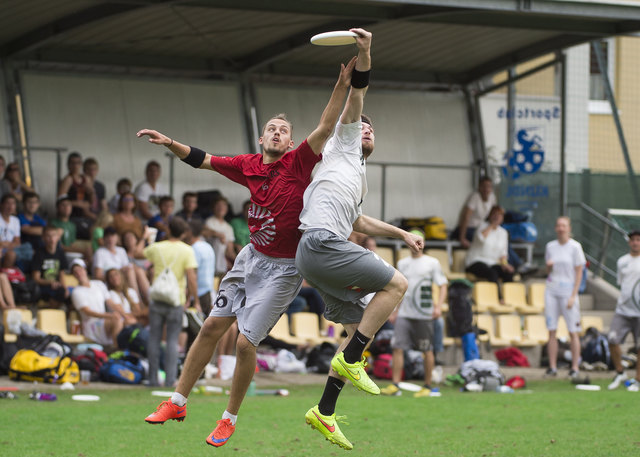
[[504, 390], [43, 396]]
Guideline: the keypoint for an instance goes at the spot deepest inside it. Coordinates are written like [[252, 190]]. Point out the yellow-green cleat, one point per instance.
[[424, 392], [391, 390], [355, 373], [328, 426]]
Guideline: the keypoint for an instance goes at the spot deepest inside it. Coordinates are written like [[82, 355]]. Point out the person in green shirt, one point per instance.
[[240, 226], [68, 229]]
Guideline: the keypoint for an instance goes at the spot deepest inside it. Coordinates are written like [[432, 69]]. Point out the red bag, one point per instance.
[[516, 382], [382, 367], [512, 357], [15, 275]]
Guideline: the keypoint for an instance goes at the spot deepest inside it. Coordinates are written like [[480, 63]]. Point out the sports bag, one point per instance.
[[435, 228], [134, 338], [124, 370], [48, 362], [165, 288], [91, 360]]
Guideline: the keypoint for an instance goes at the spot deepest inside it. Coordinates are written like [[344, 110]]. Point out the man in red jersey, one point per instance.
[[264, 279]]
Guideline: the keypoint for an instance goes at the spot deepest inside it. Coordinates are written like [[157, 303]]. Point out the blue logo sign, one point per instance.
[[527, 157]]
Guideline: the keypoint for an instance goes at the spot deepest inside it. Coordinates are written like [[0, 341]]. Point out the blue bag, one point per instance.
[[125, 370], [522, 231]]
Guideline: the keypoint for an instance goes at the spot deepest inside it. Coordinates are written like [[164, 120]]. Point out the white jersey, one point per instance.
[[421, 273], [565, 257], [629, 280], [488, 249], [333, 200], [122, 300]]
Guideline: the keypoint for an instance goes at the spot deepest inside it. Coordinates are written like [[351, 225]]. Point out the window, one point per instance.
[[598, 102]]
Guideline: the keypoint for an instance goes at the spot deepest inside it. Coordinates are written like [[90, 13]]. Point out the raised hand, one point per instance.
[[155, 137], [345, 72]]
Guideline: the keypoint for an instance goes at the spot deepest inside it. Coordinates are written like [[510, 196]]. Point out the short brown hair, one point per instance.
[[282, 117], [366, 119]]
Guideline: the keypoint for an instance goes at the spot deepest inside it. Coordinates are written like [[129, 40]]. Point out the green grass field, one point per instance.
[[553, 420]]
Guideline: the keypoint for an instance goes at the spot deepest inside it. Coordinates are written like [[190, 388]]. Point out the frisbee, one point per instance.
[[587, 387], [336, 38], [161, 393], [85, 397], [409, 386]]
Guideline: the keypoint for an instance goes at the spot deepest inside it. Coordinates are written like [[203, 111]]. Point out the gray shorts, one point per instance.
[[555, 305], [621, 326], [412, 334], [257, 290], [343, 273]]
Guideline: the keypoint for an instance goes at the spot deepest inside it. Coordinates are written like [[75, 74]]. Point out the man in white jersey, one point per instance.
[[627, 316], [414, 319], [342, 271]]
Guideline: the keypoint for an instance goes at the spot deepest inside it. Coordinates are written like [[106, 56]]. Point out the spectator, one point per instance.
[[4, 185], [15, 183], [79, 188], [149, 191], [221, 232], [565, 261], [123, 187], [240, 225], [206, 260], [125, 220], [487, 257], [161, 220], [68, 229], [31, 224], [135, 248], [12, 250], [91, 299], [48, 266], [189, 207], [91, 168], [7, 300], [124, 299], [104, 220], [179, 257], [627, 316], [474, 212]]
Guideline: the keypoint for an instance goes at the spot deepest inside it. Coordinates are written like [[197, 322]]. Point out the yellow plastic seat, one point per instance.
[[54, 322], [485, 297], [403, 252], [536, 299], [386, 254], [485, 322], [508, 328], [325, 325], [515, 295], [591, 321], [306, 326], [280, 331], [25, 316], [536, 328], [443, 258], [457, 262], [70, 280]]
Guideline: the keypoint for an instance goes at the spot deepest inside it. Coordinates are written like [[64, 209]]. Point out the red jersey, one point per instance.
[[276, 195]]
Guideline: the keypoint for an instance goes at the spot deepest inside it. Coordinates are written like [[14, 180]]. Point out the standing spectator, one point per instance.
[[474, 212], [79, 188], [179, 257], [125, 220], [31, 224], [206, 260], [161, 220], [565, 261], [627, 316], [124, 299], [12, 251], [15, 183], [149, 191], [122, 187], [189, 207], [47, 267], [413, 326], [68, 229], [220, 230], [240, 225], [91, 168], [91, 299], [487, 257]]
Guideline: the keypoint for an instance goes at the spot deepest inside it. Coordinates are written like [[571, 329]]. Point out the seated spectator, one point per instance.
[[4, 185], [90, 168], [221, 234], [125, 220], [7, 300], [105, 219], [68, 229], [135, 248], [15, 184], [148, 192], [189, 207], [125, 301], [48, 266], [206, 260], [161, 220], [31, 224], [12, 251], [79, 188], [487, 257], [91, 299], [122, 187], [240, 225], [474, 212]]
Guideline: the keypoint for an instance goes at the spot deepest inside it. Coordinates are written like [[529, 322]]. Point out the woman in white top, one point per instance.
[[487, 256], [124, 299], [565, 261]]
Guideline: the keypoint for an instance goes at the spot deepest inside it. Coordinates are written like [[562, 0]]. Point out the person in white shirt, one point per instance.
[[12, 250], [91, 299], [627, 315], [221, 232], [487, 257], [124, 300], [148, 192], [565, 260], [474, 212]]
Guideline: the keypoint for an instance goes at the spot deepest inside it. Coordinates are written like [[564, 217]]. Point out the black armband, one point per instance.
[[360, 79], [195, 158]]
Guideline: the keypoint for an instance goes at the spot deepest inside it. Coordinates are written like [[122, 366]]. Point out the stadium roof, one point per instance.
[[446, 43]]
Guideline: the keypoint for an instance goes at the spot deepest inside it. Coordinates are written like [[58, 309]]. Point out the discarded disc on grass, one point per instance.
[[409, 386], [161, 393], [85, 397], [587, 387]]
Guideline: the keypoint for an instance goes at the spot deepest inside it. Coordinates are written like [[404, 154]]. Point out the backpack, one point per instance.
[[512, 357], [48, 361], [460, 316], [596, 347], [122, 368], [165, 288], [134, 338], [525, 232], [91, 360], [319, 358], [382, 367], [435, 228]]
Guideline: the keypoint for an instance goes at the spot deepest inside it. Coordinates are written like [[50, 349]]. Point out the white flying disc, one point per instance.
[[85, 397], [337, 38], [409, 386], [161, 393], [587, 387]]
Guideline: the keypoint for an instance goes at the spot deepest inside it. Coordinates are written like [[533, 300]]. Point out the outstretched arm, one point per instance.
[[180, 150], [329, 117], [375, 227], [353, 108]]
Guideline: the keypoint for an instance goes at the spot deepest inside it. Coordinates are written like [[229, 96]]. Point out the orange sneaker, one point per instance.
[[222, 433], [165, 411]]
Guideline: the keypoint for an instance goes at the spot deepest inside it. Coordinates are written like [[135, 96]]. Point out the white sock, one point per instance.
[[232, 417], [178, 399]]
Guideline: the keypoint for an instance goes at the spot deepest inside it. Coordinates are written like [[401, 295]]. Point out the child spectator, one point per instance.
[[12, 251], [31, 224], [14, 182], [161, 220], [240, 225], [189, 207], [149, 191], [123, 187], [206, 260], [105, 219], [68, 228], [124, 299], [217, 228], [48, 265], [90, 168]]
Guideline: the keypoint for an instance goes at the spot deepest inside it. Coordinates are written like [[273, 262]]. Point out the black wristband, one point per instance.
[[360, 79], [195, 158]]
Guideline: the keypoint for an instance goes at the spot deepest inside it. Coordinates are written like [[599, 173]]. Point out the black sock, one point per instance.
[[355, 348], [332, 388]]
